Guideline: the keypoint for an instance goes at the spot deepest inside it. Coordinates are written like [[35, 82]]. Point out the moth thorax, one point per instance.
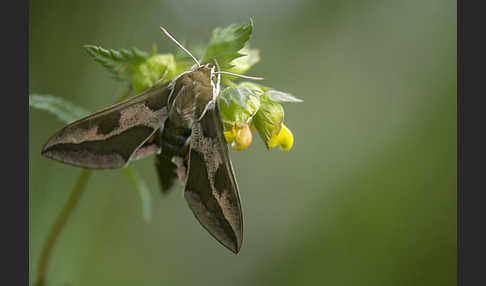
[[192, 94]]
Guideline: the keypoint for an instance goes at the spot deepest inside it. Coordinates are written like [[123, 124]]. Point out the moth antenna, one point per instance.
[[240, 75], [178, 44]]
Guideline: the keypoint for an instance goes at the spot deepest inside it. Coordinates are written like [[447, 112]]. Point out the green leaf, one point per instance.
[[237, 105], [226, 43], [272, 94], [238, 95], [280, 96], [117, 62], [242, 64], [63, 109], [268, 119], [145, 196], [257, 88]]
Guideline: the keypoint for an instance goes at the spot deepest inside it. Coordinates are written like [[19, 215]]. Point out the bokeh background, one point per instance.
[[367, 196]]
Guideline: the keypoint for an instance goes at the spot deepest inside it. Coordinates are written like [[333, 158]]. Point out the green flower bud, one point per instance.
[[243, 138], [148, 73]]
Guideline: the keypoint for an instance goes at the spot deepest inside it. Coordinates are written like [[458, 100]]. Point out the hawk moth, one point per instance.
[[179, 122]]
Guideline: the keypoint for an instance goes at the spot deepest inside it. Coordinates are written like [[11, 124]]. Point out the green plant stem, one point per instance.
[[54, 232]]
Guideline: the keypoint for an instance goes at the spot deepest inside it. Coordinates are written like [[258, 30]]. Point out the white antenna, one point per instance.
[[178, 44], [240, 75]]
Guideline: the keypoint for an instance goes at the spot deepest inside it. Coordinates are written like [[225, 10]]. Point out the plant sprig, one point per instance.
[[244, 106]]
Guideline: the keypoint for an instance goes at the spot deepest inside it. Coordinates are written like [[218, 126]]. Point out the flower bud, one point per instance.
[[243, 138], [148, 73], [284, 139]]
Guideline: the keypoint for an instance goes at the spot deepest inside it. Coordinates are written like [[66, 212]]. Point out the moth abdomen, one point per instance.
[[174, 147], [174, 140], [167, 173]]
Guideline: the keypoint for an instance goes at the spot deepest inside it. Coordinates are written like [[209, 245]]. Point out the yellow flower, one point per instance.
[[239, 137], [243, 138], [284, 139]]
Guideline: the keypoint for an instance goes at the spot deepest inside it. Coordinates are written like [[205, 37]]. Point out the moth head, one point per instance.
[[210, 68], [207, 67]]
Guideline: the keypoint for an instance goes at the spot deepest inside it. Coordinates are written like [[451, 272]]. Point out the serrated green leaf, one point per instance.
[[237, 105], [280, 96], [226, 43], [61, 108], [118, 55], [268, 119], [118, 62], [242, 64], [145, 196], [139, 55]]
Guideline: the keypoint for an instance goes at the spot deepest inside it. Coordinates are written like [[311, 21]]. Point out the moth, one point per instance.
[[179, 122]]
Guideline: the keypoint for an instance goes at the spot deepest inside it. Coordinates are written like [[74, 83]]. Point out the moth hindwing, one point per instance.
[[211, 189]]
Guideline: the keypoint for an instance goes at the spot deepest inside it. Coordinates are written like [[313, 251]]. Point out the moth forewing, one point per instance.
[[111, 137], [211, 190], [210, 185]]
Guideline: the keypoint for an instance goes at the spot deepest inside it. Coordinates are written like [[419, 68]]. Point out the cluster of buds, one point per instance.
[[249, 107], [241, 137]]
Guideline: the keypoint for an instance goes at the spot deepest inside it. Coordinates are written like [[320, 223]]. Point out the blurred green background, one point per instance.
[[367, 196]]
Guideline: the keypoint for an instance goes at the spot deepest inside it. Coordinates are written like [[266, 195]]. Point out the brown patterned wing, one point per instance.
[[211, 189], [111, 137]]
